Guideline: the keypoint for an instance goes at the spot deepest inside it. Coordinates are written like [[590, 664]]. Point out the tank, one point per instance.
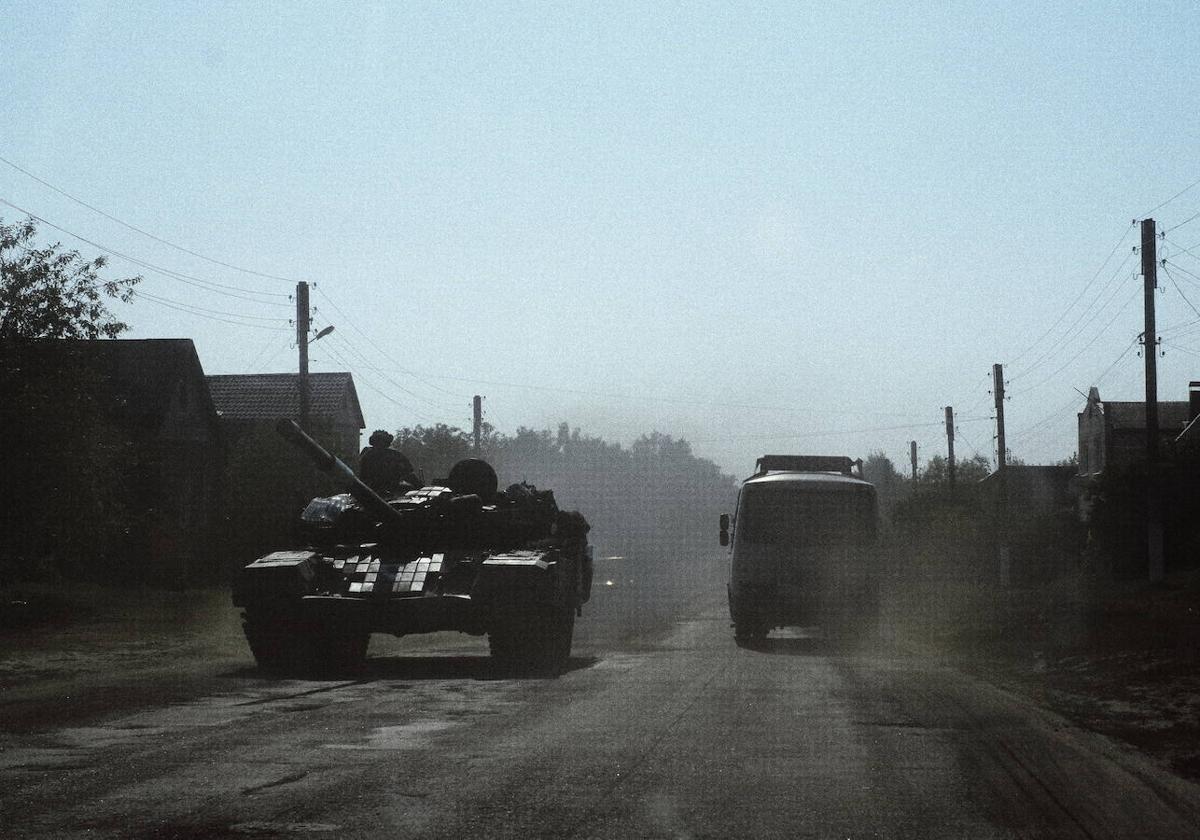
[[459, 555]]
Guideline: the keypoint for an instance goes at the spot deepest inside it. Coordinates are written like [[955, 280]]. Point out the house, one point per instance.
[[1188, 441], [113, 458], [253, 402], [1032, 489], [1113, 434], [269, 481]]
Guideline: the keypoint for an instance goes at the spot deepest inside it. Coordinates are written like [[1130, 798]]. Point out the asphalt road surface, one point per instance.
[[660, 729]]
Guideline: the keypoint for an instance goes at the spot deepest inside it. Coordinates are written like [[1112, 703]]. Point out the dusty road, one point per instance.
[[671, 732]]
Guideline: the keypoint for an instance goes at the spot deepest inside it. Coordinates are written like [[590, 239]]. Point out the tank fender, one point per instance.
[[531, 575], [278, 576]]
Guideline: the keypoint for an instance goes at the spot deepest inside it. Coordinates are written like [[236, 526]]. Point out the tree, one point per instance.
[[50, 293], [966, 471]]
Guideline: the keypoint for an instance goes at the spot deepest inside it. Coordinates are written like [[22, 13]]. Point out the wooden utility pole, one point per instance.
[[477, 425], [1001, 473], [950, 445], [912, 456], [1154, 525], [302, 328], [998, 390]]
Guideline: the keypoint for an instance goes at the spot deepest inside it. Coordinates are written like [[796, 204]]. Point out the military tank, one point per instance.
[[459, 555]]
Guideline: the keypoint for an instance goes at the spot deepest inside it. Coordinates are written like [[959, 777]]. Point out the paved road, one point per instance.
[[675, 734]]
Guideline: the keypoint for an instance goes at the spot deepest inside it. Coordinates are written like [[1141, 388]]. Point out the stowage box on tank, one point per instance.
[[466, 557]]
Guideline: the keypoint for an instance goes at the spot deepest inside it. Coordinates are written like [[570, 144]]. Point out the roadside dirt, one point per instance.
[[1123, 660]]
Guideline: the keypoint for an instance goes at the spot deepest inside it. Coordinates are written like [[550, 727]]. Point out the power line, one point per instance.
[[1178, 267], [272, 341], [1178, 289], [367, 382], [1079, 324], [267, 361], [379, 371], [148, 296], [1152, 210], [836, 432], [381, 350], [1065, 312], [179, 307], [136, 229], [1191, 218], [207, 285], [1191, 251], [1083, 349]]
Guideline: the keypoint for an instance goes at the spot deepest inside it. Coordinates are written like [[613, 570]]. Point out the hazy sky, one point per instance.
[[798, 227]]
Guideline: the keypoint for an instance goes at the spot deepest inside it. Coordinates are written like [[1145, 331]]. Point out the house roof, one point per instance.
[[139, 374], [1132, 415], [269, 396]]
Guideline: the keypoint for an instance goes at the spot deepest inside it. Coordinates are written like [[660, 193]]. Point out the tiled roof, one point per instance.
[[139, 374], [269, 396]]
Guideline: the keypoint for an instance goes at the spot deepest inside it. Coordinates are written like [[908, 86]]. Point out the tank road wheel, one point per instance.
[[532, 642], [277, 643], [338, 651], [283, 646]]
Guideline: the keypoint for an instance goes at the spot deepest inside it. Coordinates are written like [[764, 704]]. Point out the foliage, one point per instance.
[[655, 500], [966, 470], [890, 486], [49, 293]]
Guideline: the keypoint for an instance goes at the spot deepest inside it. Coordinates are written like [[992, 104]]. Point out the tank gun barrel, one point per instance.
[[327, 463]]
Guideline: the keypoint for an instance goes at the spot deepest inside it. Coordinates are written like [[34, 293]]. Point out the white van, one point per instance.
[[802, 548]]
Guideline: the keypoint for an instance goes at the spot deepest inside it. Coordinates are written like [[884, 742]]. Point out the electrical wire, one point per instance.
[[272, 341], [207, 285], [1078, 325], [1180, 290], [1083, 349], [266, 362], [136, 229], [1031, 433], [1190, 251], [1191, 218], [382, 374], [366, 380], [382, 351], [1178, 267], [1152, 210], [836, 432], [1078, 298], [1181, 348], [179, 307]]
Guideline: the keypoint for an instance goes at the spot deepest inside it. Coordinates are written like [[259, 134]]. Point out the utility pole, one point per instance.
[[302, 328], [1001, 472], [998, 390], [1154, 525], [950, 444], [477, 425], [912, 456]]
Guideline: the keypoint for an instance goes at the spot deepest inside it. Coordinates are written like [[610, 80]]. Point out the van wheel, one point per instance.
[[747, 633]]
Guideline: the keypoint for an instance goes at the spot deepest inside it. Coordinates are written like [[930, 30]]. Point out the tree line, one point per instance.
[[653, 500]]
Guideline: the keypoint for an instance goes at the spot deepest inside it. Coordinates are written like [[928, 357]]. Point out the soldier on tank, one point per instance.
[[383, 469]]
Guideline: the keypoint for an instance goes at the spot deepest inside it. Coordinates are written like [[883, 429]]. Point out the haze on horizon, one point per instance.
[[779, 229]]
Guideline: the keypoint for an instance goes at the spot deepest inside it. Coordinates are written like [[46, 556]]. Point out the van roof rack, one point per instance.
[[808, 463]]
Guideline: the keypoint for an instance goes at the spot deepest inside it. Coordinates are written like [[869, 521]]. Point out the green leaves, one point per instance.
[[50, 293]]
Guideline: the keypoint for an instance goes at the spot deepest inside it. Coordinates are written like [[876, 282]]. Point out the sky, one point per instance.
[[785, 228]]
